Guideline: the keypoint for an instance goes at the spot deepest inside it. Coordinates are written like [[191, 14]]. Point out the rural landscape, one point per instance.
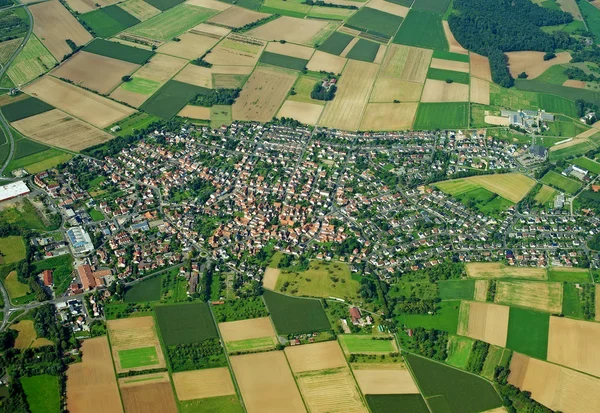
[[337, 206]]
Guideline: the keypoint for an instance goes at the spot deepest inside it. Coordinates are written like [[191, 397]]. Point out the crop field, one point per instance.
[[164, 4], [387, 89], [236, 17], [445, 75], [190, 46], [569, 274], [557, 387], [499, 270], [288, 62], [388, 116], [138, 357], [481, 288], [393, 380], [236, 50], [7, 48], [397, 403], [292, 50], [303, 88], [171, 98], [293, 8], [266, 383], [94, 374], [545, 194], [561, 182], [135, 92], [221, 404], [454, 386], [54, 24], [459, 350], [406, 63], [307, 113], [336, 43], [270, 278], [27, 336], [12, 249], [329, 13], [571, 343], [480, 67], [316, 356], [533, 63], [33, 61], [326, 62], [528, 332], [135, 334], [366, 344], [375, 22], [586, 163], [497, 356], [484, 321], [185, 323], [422, 29], [296, 315], [85, 6], [108, 21], [511, 186], [42, 393], [446, 318], [332, 391], [543, 296], [301, 31], [364, 50], [442, 91], [119, 51], [214, 383], [148, 394], [23, 108], [195, 112], [457, 289], [574, 148], [256, 333], [160, 68], [14, 287], [441, 115], [139, 9]]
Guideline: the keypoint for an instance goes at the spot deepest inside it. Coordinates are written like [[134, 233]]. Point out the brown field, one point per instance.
[[247, 329], [127, 96], [94, 109], [387, 7], [209, 4], [597, 302], [190, 46], [450, 65], [406, 63], [270, 278], [455, 47], [7, 99], [210, 30], [266, 383], [533, 63], [317, 356], [440, 91], [288, 49], [544, 296], [556, 387], [511, 186], [301, 31], [354, 87], [480, 67], [200, 384], [481, 289], [54, 24], [499, 270], [236, 50], [388, 116], [150, 393], [27, 336], [195, 75], [132, 44], [480, 91], [582, 137], [485, 322], [331, 392], [7, 48], [95, 72], [349, 47], [380, 54], [570, 6], [195, 112], [139, 9], [579, 84], [133, 333], [307, 113], [348, 30], [263, 94], [574, 344], [387, 89], [160, 68], [56, 128], [496, 120], [94, 375], [388, 381], [225, 81], [84, 6], [236, 17]]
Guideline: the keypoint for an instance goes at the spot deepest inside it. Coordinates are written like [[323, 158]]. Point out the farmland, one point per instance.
[[185, 323], [397, 403], [586, 163], [336, 43], [119, 51], [441, 115], [139, 9], [528, 332], [33, 61], [544, 296], [569, 274], [388, 116], [457, 289], [367, 344], [148, 394], [27, 336], [301, 31], [512, 187], [559, 181], [485, 322], [569, 344], [108, 21], [42, 393], [317, 356], [375, 22], [296, 315], [147, 290], [393, 379], [135, 344], [422, 29], [222, 404], [288, 62], [459, 350], [499, 270], [138, 357], [12, 249], [171, 98], [445, 318], [364, 50], [215, 382], [243, 335]]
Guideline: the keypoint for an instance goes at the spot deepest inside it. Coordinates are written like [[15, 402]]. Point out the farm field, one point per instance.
[[484, 321], [27, 336], [570, 344], [497, 356], [139, 9], [8, 47], [33, 61], [236, 17], [301, 31], [422, 29], [131, 340], [533, 63], [12, 249], [189, 46], [364, 50], [42, 393], [545, 194], [393, 380], [576, 147], [457, 289], [222, 404], [336, 43], [397, 403], [445, 319], [481, 288], [253, 334], [236, 50], [459, 350], [185, 323], [442, 91], [366, 344], [94, 374], [375, 22], [586, 163], [171, 98], [528, 332], [543, 296], [307, 113], [40, 161], [280, 60], [326, 62], [569, 274], [214, 383], [388, 116], [14, 287], [108, 21], [148, 394], [147, 290], [138, 357], [511, 186], [499, 270], [292, 315], [561, 182], [84, 6], [316, 356], [432, 116], [119, 51]]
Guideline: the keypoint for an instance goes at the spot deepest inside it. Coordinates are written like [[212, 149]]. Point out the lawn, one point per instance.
[[221, 404], [96, 215], [445, 318], [43, 393], [14, 287], [31, 62], [431, 116], [119, 51], [396, 403], [445, 75], [572, 275], [12, 249], [434, 6], [138, 357], [185, 323], [108, 21], [571, 305], [422, 29], [147, 290], [375, 22], [363, 344], [528, 332], [459, 349], [288, 62], [364, 50], [25, 108], [457, 289], [296, 315], [586, 163], [457, 388], [171, 98], [336, 43], [559, 181]]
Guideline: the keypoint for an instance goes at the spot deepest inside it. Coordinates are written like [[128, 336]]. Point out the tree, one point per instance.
[[126, 78]]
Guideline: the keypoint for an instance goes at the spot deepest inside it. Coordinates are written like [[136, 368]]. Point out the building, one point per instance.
[[355, 315], [538, 151], [80, 240], [13, 190], [47, 278]]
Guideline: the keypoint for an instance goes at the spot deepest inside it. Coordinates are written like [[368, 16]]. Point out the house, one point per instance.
[[47, 278], [538, 151], [355, 315]]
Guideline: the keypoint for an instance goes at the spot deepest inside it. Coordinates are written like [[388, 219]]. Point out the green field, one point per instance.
[[303, 88], [12, 249], [292, 8], [375, 22], [119, 51], [435, 6], [221, 404], [252, 344], [363, 344], [396, 403], [459, 350], [164, 4], [14, 287], [283, 61], [326, 13], [592, 18], [571, 151], [142, 86], [431, 116], [564, 126], [220, 115], [172, 23], [557, 98], [39, 161], [559, 181], [234, 310], [545, 195], [25, 147], [336, 43], [422, 29], [147, 290], [171, 98], [526, 98], [456, 388], [31, 62], [364, 50], [554, 75], [445, 75], [572, 275], [23, 215], [185, 323], [586, 163], [493, 359], [296, 315], [446, 318], [108, 21], [571, 304], [62, 270], [457, 57], [96, 215], [138, 357], [43, 393], [457, 289], [137, 121], [528, 332], [25, 108]]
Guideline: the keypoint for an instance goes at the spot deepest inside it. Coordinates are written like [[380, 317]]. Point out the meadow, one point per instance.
[[164, 4], [23, 215], [445, 318], [571, 305], [422, 29], [431, 116], [446, 75], [185, 323], [570, 150], [138, 357], [566, 274], [119, 51], [559, 181], [12, 249], [459, 350], [586, 163], [445, 55], [457, 289], [363, 344], [147, 290], [40, 161], [42, 392], [296, 315], [221, 404], [396, 403], [528, 332]]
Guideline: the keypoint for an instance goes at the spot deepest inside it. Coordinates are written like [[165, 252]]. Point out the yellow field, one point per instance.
[[511, 186], [597, 302], [388, 7], [484, 321], [499, 270], [288, 49], [195, 75], [293, 30], [481, 289], [388, 116], [326, 62], [247, 329], [331, 392], [84, 6], [139, 9], [195, 112], [387, 89], [574, 344], [14, 287], [190, 46], [307, 113], [27, 336], [533, 63], [544, 296], [270, 278], [200, 384], [236, 50], [385, 381], [236, 17], [160, 68], [441, 91], [480, 91], [417, 64], [317, 356]]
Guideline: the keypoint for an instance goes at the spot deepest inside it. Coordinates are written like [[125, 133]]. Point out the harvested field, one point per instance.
[[54, 24], [317, 356], [210, 30], [301, 31], [388, 89], [27, 336], [391, 8], [480, 91], [441, 91], [31, 62], [484, 321], [579, 84], [7, 48], [138, 9], [597, 302], [237, 17], [266, 383], [307, 113], [80, 103], [388, 116], [349, 47], [95, 72], [190, 46], [480, 67], [293, 50], [270, 278], [56, 128], [160, 68], [385, 381], [195, 112], [455, 47], [94, 375], [247, 329], [533, 63], [130, 97], [263, 94], [331, 392], [481, 289], [380, 54], [84, 6], [499, 270], [544, 296], [326, 62], [496, 120], [209, 4], [511, 186], [150, 393], [417, 64], [354, 87], [450, 65], [200, 384], [236, 50], [195, 75], [574, 344], [556, 387]]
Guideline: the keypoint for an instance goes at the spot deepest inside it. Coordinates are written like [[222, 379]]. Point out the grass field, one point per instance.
[[528, 332], [280, 60], [261, 343], [559, 181], [557, 98], [12, 249], [364, 344], [572, 275], [586, 163], [396, 403], [185, 323], [296, 315], [431, 116], [445, 55], [446, 318], [108, 21], [434, 6], [137, 121], [454, 386], [43, 394], [220, 115], [459, 349], [457, 289], [512, 186], [119, 51], [14, 287], [374, 22], [164, 4], [24, 108], [592, 18], [33, 61], [303, 88], [221, 404], [445, 75], [422, 29], [570, 151], [493, 359], [138, 357], [147, 290], [364, 50], [336, 43], [571, 305], [62, 269], [171, 98], [39, 161], [23, 215], [545, 195], [142, 86]]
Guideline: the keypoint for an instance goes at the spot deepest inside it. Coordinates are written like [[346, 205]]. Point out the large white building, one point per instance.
[[13, 190], [80, 240]]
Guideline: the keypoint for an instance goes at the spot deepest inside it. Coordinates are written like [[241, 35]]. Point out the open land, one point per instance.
[[480, 67], [387, 89], [31, 62], [293, 315], [385, 381], [12, 249], [499, 270], [139, 9], [247, 329], [453, 45], [148, 394], [366, 344], [195, 75], [27, 336], [185, 323], [480, 91], [289, 49], [195, 112], [331, 392], [511, 186], [572, 343], [484, 321], [236, 17], [533, 63], [326, 62], [134, 333], [544, 296], [317, 356], [442, 91], [481, 288], [236, 50], [84, 6], [200, 384], [301, 31], [189, 46], [388, 116], [270, 278], [453, 65], [307, 113]]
